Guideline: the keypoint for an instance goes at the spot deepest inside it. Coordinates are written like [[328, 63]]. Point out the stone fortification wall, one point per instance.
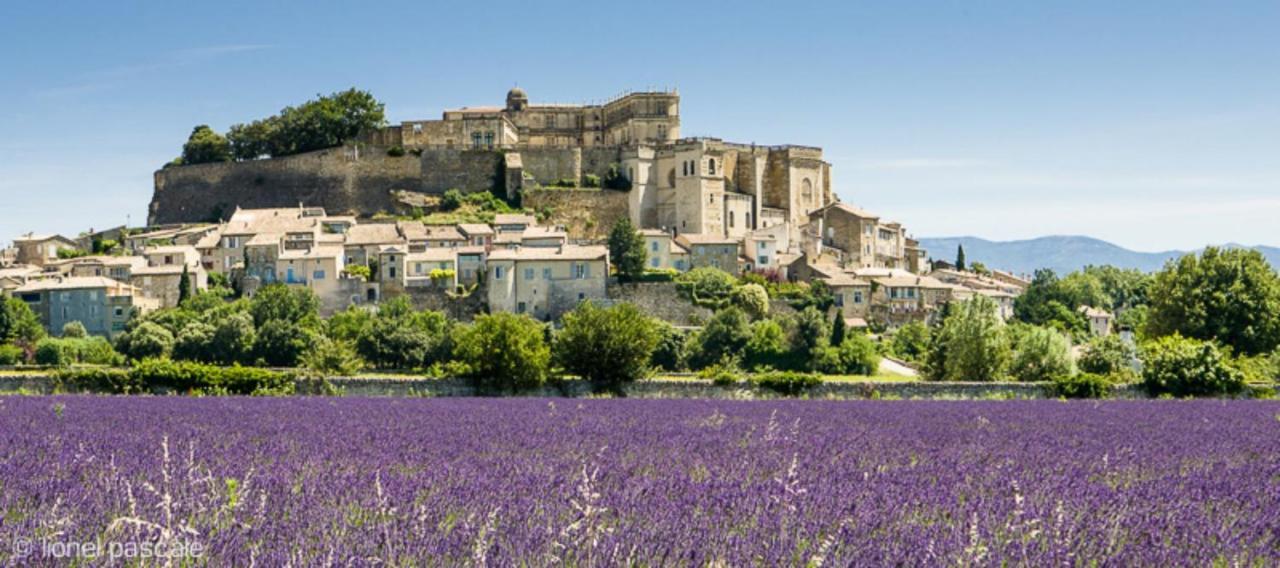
[[353, 180], [587, 214]]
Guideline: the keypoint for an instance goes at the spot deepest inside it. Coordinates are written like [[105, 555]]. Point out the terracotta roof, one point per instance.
[[852, 210], [1092, 312], [475, 229], [514, 219], [654, 233], [156, 270], [704, 239], [328, 251], [373, 234], [845, 280], [74, 283], [567, 252], [432, 255]]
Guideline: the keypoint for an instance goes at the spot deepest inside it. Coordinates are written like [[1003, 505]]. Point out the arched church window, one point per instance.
[[806, 191]]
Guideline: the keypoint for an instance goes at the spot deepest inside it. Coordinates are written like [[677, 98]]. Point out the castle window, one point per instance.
[[731, 219], [711, 168], [746, 218], [631, 173], [488, 139], [806, 191], [475, 139], [684, 169]]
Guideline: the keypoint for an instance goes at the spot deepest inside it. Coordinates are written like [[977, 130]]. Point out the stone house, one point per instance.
[[363, 243], [118, 268], [421, 237], [663, 252], [471, 264], [513, 222], [477, 234], [852, 298], [39, 250], [710, 251], [14, 277], [1099, 320], [858, 238], [546, 282], [103, 305]]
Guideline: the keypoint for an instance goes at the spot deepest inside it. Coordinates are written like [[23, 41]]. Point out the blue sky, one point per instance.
[[1155, 125]]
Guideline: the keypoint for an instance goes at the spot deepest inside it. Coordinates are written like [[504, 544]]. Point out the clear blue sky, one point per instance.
[[1152, 124]]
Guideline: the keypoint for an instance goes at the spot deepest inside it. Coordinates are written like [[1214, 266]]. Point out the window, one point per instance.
[[747, 220], [417, 129], [118, 311], [475, 139], [731, 219], [679, 265], [839, 300], [546, 273], [93, 295], [528, 274], [488, 139], [417, 268], [653, 246], [760, 245], [653, 262], [684, 169], [581, 270], [391, 271], [762, 259], [497, 273], [520, 308], [631, 173], [857, 296], [711, 167], [66, 296], [318, 275]]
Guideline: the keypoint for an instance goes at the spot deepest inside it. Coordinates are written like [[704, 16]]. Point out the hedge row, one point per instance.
[[184, 377]]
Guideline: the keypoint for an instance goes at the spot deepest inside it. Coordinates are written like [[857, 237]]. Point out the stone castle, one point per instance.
[[686, 185]]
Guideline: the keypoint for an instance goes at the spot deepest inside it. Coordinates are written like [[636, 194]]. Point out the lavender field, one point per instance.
[[409, 482]]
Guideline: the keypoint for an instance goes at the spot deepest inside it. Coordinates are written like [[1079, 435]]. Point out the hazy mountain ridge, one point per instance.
[[1061, 253]]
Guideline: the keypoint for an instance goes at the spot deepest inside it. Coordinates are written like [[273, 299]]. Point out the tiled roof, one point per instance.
[[567, 252], [73, 283]]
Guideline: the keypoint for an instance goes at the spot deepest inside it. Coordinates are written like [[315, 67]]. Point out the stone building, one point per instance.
[[103, 305], [546, 282]]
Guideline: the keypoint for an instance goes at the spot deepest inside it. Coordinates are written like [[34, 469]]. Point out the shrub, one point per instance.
[[11, 354], [722, 374], [767, 346], [192, 343], [451, 200], [607, 346], [399, 337], [504, 352], [615, 179], [970, 344], [753, 299], [659, 275], [858, 355], [1082, 385], [671, 351], [96, 380], [190, 377], [74, 329], [724, 336], [147, 340], [1179, 366], [591, 180], [910, 342], [706, 286], [811, 335], [1042, 354], [395, 151], [787, 383], [332, 357], [233, 340], [1107, 355], [50, 351], [280, 343], [359, 271]]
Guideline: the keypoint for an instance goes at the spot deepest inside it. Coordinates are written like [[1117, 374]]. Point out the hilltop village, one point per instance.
[[380, 217]]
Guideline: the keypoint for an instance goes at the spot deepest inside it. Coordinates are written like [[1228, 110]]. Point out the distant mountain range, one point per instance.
[[1061, 253]]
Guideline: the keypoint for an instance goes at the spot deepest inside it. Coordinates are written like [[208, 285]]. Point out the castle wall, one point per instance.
[[585, 213], [346, 180]]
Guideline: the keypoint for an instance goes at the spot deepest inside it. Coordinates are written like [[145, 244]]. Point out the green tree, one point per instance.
[[1042, 354], [1048, 302], [184, 286], [610, 347], [1228, 295], [233, 340], [910, 342], [753, 299], [811, 335], [284, 303], [1181, 366], [959, 257], [1124, 288], [838, 329], [349, 324], [74, 329], [205, 146], [504, 352], [328, 357], [724, 337], [399, 337], [255, 140], [672, 349], [147, 340], [972, 343], [1107, 355], [18, 323], [281, 342], [192, 343], [626, 250], [767, 346]]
